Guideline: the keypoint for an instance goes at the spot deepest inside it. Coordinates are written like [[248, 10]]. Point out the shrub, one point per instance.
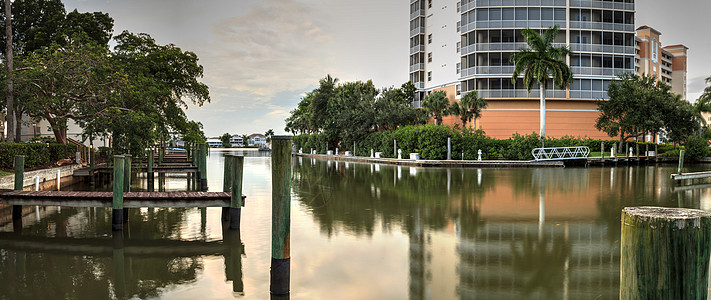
[[36, 154]]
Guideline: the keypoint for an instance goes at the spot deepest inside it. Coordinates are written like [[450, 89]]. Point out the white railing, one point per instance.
[[601, 26], [419, 12], [518, 24], [597, 71], [417, 31], [588, 95], [417, 67], [560, 153], [602, 4], [494, 94], [602, 48], [485, 3], [418, 48]]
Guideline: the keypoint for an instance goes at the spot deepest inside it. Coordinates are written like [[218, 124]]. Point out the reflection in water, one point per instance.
[[420, 233], [518, 233], [72, 253]]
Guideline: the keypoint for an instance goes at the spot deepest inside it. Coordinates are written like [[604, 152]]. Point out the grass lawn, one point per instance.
[[3, 173]]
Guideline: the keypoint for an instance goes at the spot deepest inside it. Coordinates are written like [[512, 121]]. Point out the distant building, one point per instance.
[[237, 141], [667, 64], [257, 140], [214, 142]]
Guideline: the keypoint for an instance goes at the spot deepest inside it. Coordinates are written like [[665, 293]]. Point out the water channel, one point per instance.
[[358, 231]]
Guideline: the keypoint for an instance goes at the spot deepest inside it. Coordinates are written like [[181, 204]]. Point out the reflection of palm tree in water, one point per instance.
[[541, 260]]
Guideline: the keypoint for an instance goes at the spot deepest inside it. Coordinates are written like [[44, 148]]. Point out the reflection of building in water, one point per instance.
[[509, 261], [433, 261]]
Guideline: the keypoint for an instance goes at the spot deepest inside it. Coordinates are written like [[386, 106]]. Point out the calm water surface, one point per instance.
[[357, 232]]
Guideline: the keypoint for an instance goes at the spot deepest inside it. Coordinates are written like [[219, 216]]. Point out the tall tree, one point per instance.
[[269, 134], [540, 64], [703, 104], [9, 65], [225, 139], [436, 104]]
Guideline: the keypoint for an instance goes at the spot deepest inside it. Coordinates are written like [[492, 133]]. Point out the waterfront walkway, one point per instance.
[[440, 163]]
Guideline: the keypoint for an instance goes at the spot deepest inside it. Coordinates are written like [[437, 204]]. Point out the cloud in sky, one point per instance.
[[260, 56]]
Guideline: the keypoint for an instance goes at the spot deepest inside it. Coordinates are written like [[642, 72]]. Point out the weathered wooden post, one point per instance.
[[149, 168], [602, 150], [681, 162], [664, 253], [117, 203], [281, 215], [236, 191], [92, 165], [126, 181], [161, 155], [227, 184], [203, 167], [19, 184]]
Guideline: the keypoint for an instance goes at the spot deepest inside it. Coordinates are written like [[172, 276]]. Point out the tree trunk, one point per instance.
[[18, 127], [543, 109], [8, 59]]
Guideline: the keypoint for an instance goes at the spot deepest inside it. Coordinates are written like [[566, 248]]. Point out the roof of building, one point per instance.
[[257, 134], [645, 27], [675, 46]]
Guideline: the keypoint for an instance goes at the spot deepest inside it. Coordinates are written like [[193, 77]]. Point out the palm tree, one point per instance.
[[541, 63], [468, 107], [703, 104], [436, 103], [269, 134]]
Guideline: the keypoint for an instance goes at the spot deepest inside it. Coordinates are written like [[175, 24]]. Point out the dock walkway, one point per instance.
[[104, 199], [440, 163]]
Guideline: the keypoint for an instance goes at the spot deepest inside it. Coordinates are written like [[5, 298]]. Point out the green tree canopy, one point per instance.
[[468, 107], [437, 105], [640, 105]]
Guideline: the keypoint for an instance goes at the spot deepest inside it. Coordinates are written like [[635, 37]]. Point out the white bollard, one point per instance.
[[371, 153], [628, 156], [399, 153], [59, 179], [36, 183], [479, 155], [78, 157], [336, 151]]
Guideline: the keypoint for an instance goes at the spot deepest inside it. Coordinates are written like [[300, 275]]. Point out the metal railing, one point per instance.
[[419, 12], [602, 48], [485, 3], [560, 153], [588, 94], [417, 67], [417, 31], [601, 26], [519, 93], [598, 71], [418, 48], [602, 4]]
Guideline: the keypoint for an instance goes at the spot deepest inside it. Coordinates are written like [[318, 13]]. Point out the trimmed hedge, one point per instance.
[[36, 154], [430, 141]]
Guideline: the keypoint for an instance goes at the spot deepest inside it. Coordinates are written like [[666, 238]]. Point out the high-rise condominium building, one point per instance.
[[463, 45]]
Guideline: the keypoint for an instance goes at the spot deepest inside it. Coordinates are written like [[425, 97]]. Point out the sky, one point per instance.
[[261, 56]]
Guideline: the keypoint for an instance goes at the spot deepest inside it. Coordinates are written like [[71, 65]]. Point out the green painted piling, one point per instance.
[[161, 154], [127, 173], [92, 164], [681, 162], [227, 184], [281, 215], [19, 184], [236, 192], [117, 203], [664, 253], [203, 167]]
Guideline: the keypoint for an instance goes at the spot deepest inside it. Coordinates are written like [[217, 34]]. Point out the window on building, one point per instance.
[[429, 38], [459, 89], [459, 67], [429, 76], [459, 6], [459, 46], [459, 25], [429, 57], [429, 3]]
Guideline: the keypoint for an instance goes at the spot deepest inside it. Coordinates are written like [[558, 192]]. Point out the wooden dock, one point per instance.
[[440, 163], [696, 175], [171, 168], [104, 199]]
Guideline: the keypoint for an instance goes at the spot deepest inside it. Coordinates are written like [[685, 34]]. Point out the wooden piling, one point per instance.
[[117, 203], [236, 192], [126, 181], [161, 154], [92, 165], [203, 167], [19, 184], [664, 253], [149, 167], [281, 215], [227, 184], [681, 162]]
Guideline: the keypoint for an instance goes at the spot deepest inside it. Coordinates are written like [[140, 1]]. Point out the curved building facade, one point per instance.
[[476, 38]]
